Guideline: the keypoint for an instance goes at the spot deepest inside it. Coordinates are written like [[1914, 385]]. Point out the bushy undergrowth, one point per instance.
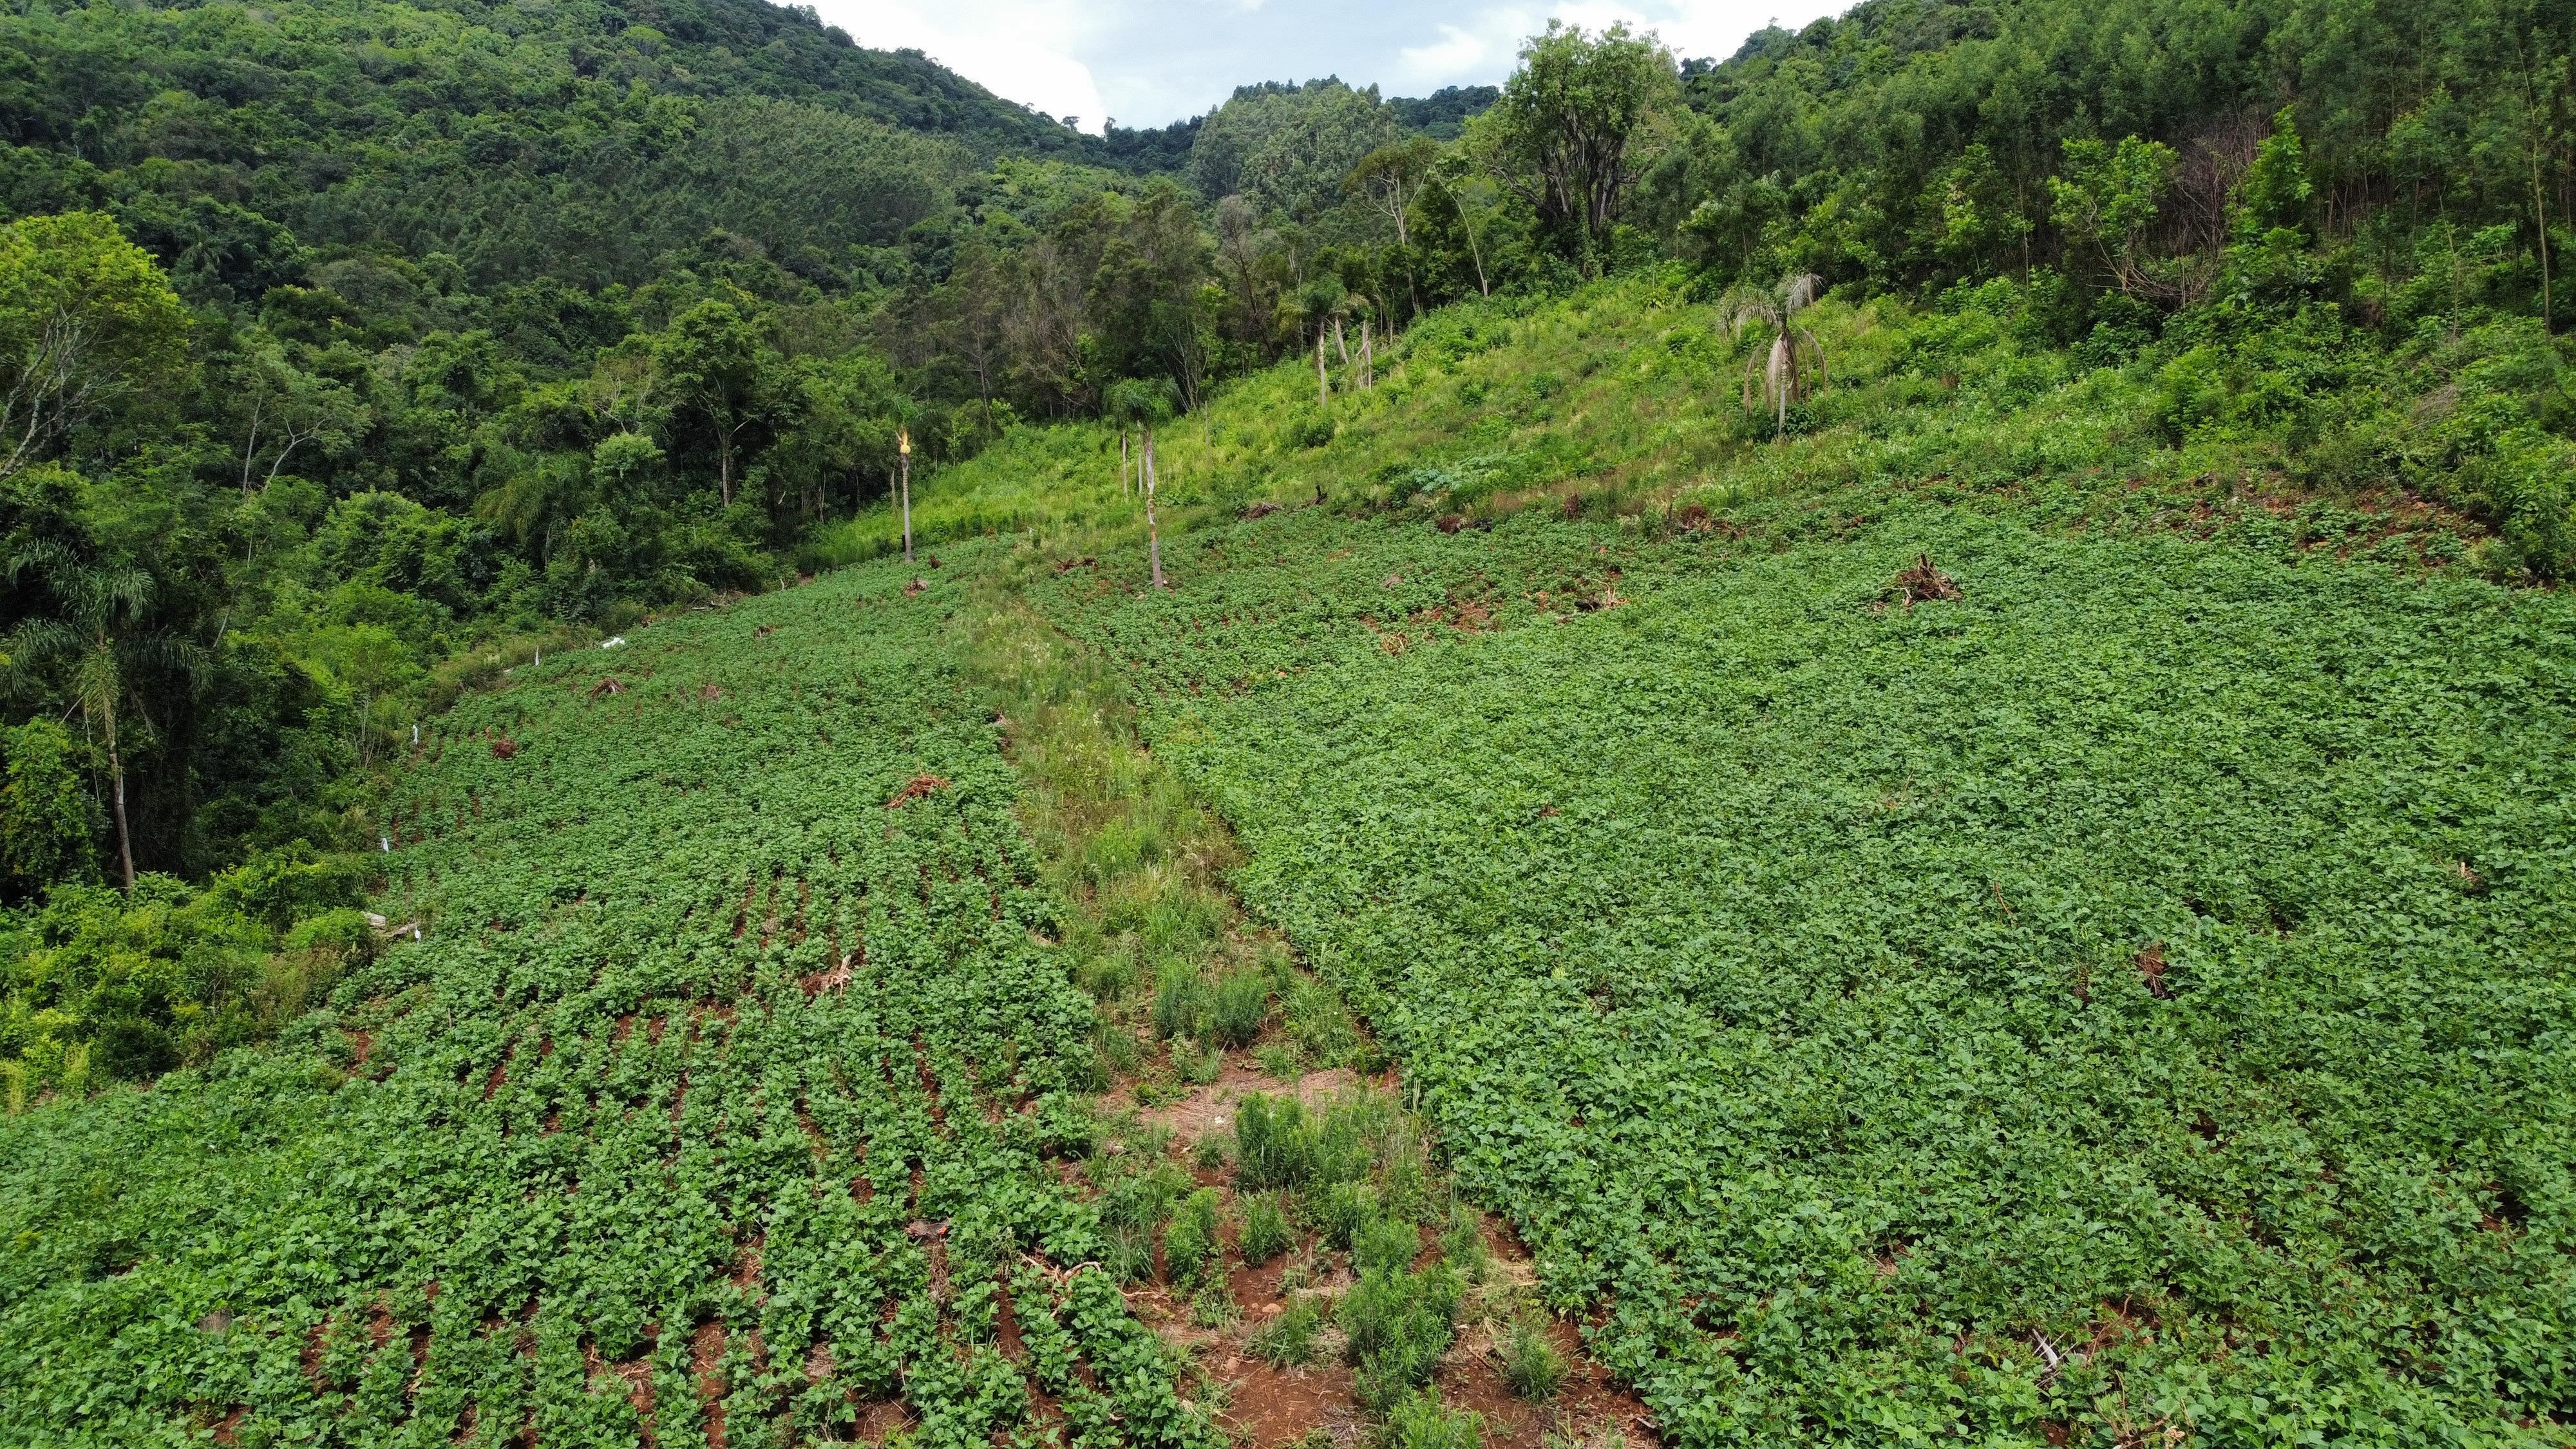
[[97, 987], [1628, 392]]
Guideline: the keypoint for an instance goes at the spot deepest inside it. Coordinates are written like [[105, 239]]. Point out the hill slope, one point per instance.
[[1970, 1014], [713, 1013]]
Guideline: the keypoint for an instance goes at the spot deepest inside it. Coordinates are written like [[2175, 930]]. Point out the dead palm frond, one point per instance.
[[1781, 374]]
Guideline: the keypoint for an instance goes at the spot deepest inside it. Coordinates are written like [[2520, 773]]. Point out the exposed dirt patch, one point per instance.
[[706, 1365], [1209, 1110], [1273, 1406], [2151, 965], [877, 1420]]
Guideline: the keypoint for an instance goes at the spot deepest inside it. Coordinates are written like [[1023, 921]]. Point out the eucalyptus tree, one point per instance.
[[1572, 131]]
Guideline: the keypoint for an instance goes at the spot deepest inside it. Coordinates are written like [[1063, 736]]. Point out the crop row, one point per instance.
[[2133, 996], [715, 1104]]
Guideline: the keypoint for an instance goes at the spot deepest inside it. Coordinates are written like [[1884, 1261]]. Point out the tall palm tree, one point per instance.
[[98, 648], [1780, 374]]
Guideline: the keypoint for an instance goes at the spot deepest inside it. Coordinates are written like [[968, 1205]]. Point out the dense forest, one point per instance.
[[356, 351]]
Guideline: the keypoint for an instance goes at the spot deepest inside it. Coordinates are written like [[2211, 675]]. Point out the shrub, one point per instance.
[[1320, 1024], [1532, 1367], [1463, 1244], [1264, 1232], [1421, 1421], [1341, 1211], [1106, 977], [1398, 1325], [1241, 1003], [1270, 1142], [1385, 1244], [1190, 1247], [1289, 1339], [1181, 1000]]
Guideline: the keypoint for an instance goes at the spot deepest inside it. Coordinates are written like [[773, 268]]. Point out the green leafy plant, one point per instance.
[[1288, 1339], [1421, 1421], [1264, 1232], [1532, 1366]]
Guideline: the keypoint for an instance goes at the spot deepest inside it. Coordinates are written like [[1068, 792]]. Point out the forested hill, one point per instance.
[[575, 141]]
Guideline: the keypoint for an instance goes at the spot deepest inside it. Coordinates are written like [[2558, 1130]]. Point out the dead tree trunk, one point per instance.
[[1153, 537], [903, 471]]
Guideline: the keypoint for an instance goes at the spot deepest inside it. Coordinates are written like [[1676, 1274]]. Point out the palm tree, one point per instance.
[[1140, 403], [1781, 374], [99, 644]]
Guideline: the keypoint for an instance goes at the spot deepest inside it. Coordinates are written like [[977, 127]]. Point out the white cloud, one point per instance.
[[1152, 61], [1021, 50], [1457, 53]]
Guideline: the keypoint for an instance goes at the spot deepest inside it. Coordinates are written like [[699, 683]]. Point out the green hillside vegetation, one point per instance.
[[1903, 694], [631, 1138]]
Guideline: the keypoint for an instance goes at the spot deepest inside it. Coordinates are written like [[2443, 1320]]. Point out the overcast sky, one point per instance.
[[1147, 62]]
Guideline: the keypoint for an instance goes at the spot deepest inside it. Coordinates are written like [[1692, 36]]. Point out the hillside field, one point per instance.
[[1974, 922]]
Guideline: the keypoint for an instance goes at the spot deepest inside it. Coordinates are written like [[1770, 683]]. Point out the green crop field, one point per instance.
[[712, 1107], [1969, 924], [2133, 995], [1857, 734]]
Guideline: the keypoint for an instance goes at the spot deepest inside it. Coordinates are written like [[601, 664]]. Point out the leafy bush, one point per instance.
[[1421, 1421], [1264, 1232], [1241, 1004], [1288, 1340], [98, 987]]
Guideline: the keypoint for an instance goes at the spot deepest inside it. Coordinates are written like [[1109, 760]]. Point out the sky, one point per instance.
[[1148, 62]]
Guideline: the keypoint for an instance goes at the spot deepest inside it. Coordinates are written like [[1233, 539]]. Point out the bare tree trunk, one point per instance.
[[1474, 251], [250, 449], [1122, 462], [1368, 358], [724, 474], [2540, 214], [1339, 344], [124, 837], [1153, 536], [1323, 389], [904, 471]]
